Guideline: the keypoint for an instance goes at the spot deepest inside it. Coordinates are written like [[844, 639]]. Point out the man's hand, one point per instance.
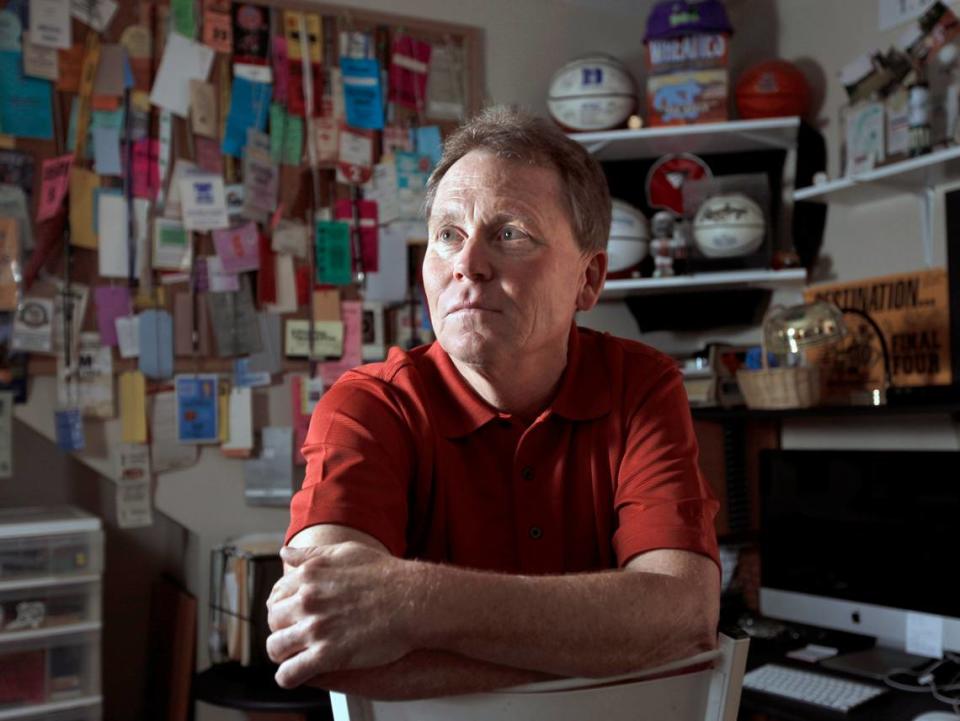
[[338, 607]]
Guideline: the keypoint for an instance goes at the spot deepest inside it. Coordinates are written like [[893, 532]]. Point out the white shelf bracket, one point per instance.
[[927, 198], [595, 148], [761, 139]]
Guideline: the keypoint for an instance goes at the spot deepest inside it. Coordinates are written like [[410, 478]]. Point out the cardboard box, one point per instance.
[[702, 51], [685, 98]]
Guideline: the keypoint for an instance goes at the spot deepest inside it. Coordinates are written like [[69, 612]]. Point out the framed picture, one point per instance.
[[372, 338]]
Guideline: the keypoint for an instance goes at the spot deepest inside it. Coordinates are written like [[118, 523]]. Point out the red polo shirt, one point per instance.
[[407, 452]]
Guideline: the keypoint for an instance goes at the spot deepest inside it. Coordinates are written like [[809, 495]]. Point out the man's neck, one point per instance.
[[520, 387]]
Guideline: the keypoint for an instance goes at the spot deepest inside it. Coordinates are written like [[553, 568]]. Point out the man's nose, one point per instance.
[[473, 260]]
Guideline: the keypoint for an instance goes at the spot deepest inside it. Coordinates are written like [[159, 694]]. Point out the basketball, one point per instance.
[[727, 226], [592, 93], [629, 235], [772, 89]]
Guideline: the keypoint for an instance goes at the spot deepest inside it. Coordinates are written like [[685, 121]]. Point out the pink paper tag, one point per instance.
[[351, 312], [146, 169], [301, 420], [112, 301], [56, 180], [238, 248]]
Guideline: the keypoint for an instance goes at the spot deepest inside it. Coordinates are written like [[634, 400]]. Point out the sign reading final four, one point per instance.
[[912, 310]]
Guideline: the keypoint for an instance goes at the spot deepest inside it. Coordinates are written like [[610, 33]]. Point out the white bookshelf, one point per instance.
[[915, 175], [770, 279], [735, 136]]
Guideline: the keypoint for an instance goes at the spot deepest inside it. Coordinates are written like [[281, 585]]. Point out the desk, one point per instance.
[[891, 706], [251, 689]]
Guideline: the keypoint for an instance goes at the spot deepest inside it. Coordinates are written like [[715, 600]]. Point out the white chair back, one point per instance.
[[708, 694]]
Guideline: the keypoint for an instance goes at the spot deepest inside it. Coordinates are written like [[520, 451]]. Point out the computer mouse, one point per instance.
[[936, 716]]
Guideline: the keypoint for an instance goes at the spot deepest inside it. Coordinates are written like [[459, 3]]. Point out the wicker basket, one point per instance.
[[778, 388]]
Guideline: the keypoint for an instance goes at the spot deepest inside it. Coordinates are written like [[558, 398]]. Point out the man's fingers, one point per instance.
[[285, 587], [284, 612], [291, 580], [302, 667], [288, 641], [295, 556]]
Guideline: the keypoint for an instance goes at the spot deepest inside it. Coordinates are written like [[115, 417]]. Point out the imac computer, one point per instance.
[[862, 541]]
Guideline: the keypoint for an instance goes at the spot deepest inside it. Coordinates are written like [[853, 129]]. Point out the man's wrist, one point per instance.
[[432, 607]]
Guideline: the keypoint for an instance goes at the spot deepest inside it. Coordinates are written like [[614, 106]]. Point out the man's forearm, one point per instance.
[[597, 624], [426, 674]]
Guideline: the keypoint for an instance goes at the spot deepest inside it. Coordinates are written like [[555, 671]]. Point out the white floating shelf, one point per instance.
[[736, 136], [47, 581], [913, 175], [34, 711], [50, 632], [617, 289]]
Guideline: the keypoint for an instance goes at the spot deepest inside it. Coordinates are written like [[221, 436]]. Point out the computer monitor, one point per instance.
[[860, 540]]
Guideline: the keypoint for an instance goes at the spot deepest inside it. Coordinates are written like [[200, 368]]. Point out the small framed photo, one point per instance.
[[374, 345]]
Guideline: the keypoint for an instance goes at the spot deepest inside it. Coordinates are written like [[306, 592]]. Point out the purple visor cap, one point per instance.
[[673, 18]]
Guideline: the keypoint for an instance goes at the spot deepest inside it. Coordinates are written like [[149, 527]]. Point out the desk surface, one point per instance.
[[891, 706], [251, 689]]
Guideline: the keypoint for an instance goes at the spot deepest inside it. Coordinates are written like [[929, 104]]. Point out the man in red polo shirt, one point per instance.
[[519, 500]]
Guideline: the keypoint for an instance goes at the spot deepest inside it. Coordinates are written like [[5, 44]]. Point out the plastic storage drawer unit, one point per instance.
[[40, 667], [44, 542], [49, 604]]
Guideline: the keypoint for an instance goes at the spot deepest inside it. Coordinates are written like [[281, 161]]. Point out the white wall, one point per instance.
[[524, 42]]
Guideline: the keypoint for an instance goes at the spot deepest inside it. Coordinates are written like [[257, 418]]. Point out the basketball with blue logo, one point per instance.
[[592, 93]]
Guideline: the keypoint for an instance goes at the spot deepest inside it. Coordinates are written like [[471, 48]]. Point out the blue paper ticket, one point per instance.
[[197, 406]]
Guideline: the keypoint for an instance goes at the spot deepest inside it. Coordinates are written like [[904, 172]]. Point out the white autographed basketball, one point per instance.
[[728, 225], [592, 93], [629, 236]]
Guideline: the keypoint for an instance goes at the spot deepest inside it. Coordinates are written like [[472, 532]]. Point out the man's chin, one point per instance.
[[470, 347]]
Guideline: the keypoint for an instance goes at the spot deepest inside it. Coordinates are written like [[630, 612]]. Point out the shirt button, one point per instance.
[[536, 533], [526, 473]]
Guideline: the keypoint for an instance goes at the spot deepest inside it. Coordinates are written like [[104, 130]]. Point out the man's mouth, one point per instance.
[[469, 307]]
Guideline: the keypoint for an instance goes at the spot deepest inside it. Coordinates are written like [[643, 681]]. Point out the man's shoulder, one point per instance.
[[633, 356], [398, 376]]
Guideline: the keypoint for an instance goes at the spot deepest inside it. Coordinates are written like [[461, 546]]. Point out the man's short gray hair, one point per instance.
[[517, 135]]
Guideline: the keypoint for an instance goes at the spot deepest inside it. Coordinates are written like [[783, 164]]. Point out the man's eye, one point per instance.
[[510, 233], [445, 235]]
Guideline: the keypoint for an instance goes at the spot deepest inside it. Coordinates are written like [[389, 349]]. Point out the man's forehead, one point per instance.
[[485, 168], [483, 179]]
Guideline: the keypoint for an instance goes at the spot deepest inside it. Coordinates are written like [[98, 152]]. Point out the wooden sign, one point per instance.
[[912, 310]]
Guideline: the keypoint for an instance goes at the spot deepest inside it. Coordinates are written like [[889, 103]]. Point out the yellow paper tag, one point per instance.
[[223, 401], [82, 185], [327, 338], [133, 407], [291, 29]]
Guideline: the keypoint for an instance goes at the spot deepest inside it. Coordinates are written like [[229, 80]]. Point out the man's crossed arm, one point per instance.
[[348, 616]]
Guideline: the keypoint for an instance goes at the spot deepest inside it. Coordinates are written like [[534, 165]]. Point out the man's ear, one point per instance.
[[595, 273]]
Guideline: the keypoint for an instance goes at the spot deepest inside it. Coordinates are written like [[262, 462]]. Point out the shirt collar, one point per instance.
[[461, 410], [583, 393]]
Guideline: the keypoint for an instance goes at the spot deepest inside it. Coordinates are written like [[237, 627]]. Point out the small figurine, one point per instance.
[[661, 246], [680, 248]]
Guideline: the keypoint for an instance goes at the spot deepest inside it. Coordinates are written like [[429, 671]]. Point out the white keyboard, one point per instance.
[[819, 689]]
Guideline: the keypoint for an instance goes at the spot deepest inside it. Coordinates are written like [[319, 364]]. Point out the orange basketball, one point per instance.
[[772, 89]]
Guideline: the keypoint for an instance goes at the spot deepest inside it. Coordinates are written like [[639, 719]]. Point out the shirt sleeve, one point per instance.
[[359, 464], [662, 499]]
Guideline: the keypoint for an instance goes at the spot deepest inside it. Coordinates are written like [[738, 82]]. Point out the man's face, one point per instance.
[[503, 273]]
